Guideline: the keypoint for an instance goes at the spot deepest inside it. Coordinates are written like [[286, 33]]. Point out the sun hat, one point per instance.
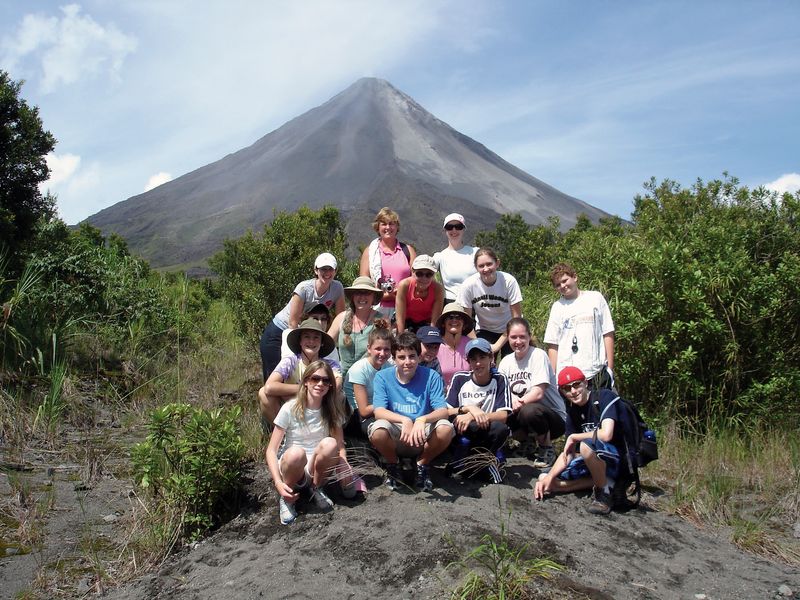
[[423, 261], [455, 307], [293, 339], [570, 374], [429, 335], [454, 217], [363, 283], [478, 344], [326, 259]]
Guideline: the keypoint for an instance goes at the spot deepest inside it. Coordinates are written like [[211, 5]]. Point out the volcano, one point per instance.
[[367, 147]]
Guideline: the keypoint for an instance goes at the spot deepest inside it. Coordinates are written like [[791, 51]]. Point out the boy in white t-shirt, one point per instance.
[[580, 330]]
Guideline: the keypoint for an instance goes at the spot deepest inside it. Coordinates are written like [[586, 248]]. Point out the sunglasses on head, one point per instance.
[[451, 226], [571, 386], [319, 379]]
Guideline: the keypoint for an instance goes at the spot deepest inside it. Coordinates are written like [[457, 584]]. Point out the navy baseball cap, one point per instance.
[[478, 344], [429, 335]]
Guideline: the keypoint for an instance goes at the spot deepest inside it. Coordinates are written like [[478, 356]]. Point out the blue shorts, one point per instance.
[[608, 453]]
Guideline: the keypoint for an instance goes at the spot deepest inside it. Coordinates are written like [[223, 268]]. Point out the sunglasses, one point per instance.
[[424, 274], [319, 379], [451, 226], [571, 386]]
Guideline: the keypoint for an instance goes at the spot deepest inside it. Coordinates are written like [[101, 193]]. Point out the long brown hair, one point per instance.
[[332, 409]]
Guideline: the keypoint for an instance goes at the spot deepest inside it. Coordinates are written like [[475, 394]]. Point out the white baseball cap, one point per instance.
[[326, 259], [454, 217]]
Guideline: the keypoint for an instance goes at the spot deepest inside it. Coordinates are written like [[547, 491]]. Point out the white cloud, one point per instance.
[[156, 180], [785, 183], [62, 167], [68, 48]]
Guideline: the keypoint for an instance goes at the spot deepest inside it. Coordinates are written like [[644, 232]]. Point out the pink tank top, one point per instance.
[[394, 264], [419, 309]]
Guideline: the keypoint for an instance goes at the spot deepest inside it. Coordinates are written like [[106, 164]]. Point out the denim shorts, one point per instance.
[[606, 452]]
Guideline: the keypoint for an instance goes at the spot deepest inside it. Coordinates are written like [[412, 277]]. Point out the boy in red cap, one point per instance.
[[591, 453]]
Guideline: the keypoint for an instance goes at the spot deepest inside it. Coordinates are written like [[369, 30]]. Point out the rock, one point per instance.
[[700, 597], [81, 487], [12, 551], [112, 518], [84, 586], [797, 529], [785, 591]]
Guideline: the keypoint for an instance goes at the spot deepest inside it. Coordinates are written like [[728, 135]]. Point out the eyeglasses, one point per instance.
[[571, 386], [319, 379], [424, 274], [451, 226]]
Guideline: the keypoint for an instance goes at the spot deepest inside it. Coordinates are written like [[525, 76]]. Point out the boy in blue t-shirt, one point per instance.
[[410, 412], [592, 450]]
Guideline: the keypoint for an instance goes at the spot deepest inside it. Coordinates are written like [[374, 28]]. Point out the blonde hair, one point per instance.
[[386, 215], [332, 411]]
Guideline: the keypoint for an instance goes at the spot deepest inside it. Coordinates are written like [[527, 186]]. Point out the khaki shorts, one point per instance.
[[394, 429]]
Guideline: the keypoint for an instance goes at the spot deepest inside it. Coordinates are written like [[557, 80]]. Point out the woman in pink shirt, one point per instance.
[[456, 325], [387, 261]]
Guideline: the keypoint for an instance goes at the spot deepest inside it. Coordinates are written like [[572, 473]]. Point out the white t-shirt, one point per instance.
[[533, 369], [581, 322], [306, 434], [455, 266], [491, 304]]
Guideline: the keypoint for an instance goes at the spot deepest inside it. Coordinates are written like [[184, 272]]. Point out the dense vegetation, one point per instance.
[[703, 286]]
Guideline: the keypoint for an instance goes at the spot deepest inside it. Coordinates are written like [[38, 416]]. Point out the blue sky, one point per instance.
[[594, 98]]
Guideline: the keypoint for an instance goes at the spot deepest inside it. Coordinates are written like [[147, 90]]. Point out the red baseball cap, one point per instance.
[[570, 374]]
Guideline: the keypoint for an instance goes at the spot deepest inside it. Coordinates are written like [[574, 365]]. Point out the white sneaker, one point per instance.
[[321, 499], [545, 457], [287, 511]]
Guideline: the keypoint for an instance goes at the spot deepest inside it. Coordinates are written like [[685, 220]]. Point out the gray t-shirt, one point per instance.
[[308, 294]]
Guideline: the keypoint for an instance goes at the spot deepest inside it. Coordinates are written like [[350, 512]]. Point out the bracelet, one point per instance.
[[420, 419]]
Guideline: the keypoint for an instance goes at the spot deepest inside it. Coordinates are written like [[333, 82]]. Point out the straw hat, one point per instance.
[[293, 339], [364, 283], [453, 307]]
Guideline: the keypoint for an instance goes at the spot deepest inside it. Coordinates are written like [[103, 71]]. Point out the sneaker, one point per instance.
[[423, 480], [545, 457], [528, 449], [494, 474], [601, 505], [392, 476], [287, 512], [321, 499]]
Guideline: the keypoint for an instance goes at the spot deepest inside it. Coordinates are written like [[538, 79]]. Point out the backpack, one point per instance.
[[641, 448]]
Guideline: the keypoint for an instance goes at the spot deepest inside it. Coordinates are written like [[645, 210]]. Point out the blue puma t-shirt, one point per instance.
[[417, 398]]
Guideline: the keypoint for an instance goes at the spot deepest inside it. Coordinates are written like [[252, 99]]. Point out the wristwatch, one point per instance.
[[461, 410]]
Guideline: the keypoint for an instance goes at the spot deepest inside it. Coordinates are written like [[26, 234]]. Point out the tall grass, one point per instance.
[[748, 481]]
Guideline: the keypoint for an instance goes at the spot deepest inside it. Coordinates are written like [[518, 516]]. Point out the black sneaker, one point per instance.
[[602, 503], [423, 480], [392, 476]]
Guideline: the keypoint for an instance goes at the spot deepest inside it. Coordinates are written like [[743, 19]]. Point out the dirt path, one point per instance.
[[396, 545]]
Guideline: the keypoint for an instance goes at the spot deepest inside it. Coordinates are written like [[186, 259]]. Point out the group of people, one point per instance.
[[419, 366]]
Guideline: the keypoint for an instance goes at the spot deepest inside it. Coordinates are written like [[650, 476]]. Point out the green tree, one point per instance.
[[23, 146], [257, 274], [525, 251]]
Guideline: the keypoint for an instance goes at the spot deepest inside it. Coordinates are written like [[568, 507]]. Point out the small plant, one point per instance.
[[52, 407], [499, 570], [190, 462]]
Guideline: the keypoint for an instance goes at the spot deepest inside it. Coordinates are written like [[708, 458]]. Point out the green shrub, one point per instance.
[[190, 462], [257, 274]]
